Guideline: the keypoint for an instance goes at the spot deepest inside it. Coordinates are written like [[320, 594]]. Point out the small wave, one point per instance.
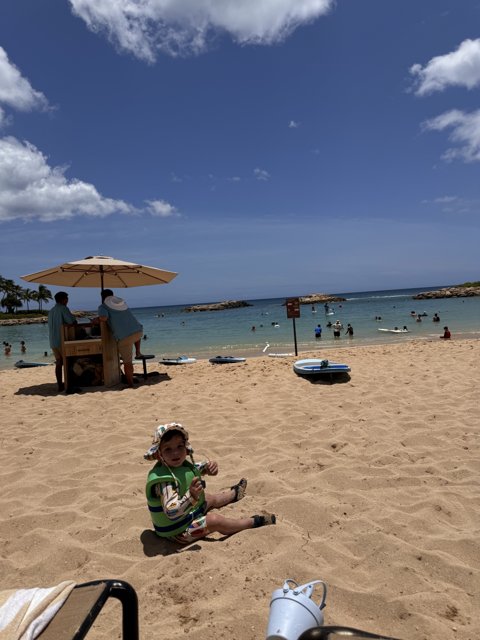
[[398, 295]]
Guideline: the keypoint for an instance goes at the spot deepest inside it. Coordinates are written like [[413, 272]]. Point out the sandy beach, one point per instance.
[[374, 480]]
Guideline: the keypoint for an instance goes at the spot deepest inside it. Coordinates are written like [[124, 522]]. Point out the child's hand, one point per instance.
[[212, 468], [196, 488]]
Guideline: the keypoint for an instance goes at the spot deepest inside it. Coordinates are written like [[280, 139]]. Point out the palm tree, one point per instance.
[[43, 295], [27, 296], [3, 287], [34, 296], [12, 300]]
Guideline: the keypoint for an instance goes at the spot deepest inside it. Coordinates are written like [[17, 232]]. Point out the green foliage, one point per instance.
[[470, 284], [12, 296]]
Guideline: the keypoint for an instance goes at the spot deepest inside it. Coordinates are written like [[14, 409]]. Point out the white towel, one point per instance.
[[24, 613]]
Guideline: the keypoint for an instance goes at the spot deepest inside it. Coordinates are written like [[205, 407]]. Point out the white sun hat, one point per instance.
[[115, 303], [158, 434]]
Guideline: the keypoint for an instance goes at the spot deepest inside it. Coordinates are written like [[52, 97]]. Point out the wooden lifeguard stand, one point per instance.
[[74, 346]]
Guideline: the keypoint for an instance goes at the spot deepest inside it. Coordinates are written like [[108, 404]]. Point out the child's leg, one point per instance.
[[211, 522], [227, 526], [234, 494]]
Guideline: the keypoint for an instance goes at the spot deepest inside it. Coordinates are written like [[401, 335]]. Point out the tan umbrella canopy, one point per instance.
[[103, 272]]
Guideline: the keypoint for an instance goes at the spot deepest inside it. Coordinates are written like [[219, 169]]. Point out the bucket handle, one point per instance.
[[307, 589]]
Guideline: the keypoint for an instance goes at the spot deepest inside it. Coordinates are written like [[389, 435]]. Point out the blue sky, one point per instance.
[[260, 148]]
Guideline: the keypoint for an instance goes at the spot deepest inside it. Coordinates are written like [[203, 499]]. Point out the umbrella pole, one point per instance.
[[101, 277]]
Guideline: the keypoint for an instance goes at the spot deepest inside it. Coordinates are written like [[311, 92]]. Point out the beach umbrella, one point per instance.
[[101, 271]]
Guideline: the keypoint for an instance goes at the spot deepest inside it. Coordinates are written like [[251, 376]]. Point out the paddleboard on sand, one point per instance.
[[280, 355], [226, 359], [179, 360], [22, 364], [315, 366]]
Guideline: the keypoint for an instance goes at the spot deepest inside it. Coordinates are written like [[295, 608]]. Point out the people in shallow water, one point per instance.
[[446, 334], [349, 331], [436, 317], [336, 329], [318, 331], [179, 506]]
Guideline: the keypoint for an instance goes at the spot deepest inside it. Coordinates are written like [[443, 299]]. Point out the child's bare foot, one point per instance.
[[262, 521], [239, 490]]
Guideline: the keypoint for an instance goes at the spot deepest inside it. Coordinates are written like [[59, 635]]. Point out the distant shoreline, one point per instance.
[[11, 322]]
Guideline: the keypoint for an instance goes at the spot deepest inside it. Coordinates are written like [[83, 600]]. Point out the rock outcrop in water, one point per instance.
[[218, 306], [313, 298], [449, 292], [10, 322]]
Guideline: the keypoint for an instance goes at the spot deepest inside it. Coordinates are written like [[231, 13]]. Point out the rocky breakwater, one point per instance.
[[314, 298], [10, 322], [218, 306], [449, 292]]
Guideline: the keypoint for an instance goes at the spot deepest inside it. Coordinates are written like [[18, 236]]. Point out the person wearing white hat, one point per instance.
[[126, 329], [179, 506]]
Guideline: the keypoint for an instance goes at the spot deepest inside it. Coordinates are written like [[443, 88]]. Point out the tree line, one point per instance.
[[13, 296]]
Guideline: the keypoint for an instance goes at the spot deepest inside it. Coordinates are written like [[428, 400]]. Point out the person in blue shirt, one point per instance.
[[125, 328], [59, 315], [318, 331]]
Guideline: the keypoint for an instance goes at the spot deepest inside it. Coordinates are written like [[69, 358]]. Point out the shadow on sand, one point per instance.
[[332, 378], [153, 545], [50, 388]]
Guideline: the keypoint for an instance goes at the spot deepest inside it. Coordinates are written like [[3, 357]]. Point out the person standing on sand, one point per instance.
[[59, 315], [126, 329]]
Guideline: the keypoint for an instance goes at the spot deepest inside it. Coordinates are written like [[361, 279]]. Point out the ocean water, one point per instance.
[[172, 332]]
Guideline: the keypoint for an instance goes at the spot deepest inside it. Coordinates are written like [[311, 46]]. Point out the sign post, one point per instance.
[[293, 311]]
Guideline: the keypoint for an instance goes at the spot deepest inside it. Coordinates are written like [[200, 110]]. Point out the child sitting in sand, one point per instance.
[[179, 507]]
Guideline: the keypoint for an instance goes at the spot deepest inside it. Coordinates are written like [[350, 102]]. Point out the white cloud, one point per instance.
[[161, 208], [15, 90], [293, 125], [4, 119], [465, 132], [31, 189], [457, 205], [261, 174], [458, 68], [234, 179], [185, 27], [446, 199]]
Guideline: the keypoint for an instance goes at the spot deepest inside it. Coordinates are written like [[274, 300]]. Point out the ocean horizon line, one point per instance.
[[345, 294]]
